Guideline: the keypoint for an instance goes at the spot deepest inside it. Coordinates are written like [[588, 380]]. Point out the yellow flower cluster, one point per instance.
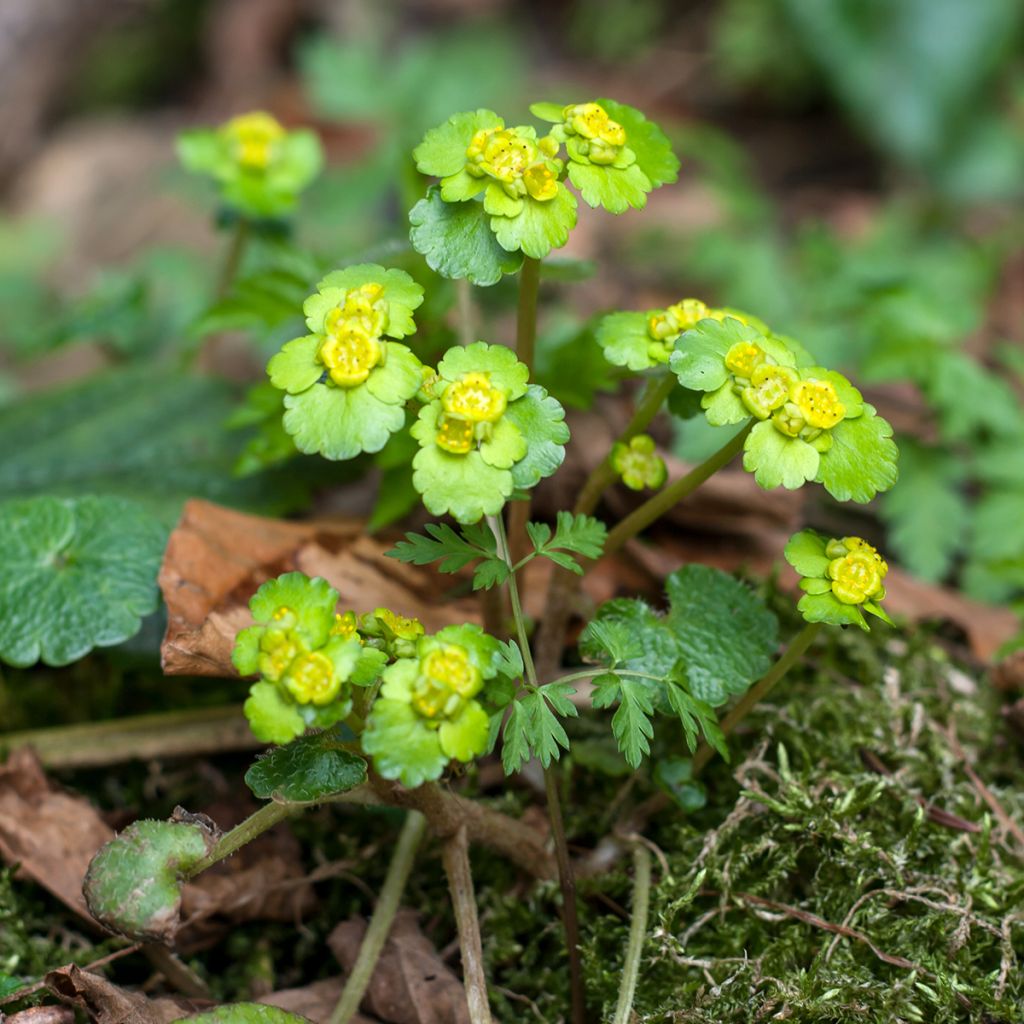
[[856, 569], [309, 676], [352, 344], [513, 160], [253, 138], [446, 680], [470, 401], [604, 138]]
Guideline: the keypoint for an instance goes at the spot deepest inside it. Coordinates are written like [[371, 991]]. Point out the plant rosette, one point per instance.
[[485, 434], [346, 383], [638, 463], [427, 713], [306, 655], [812, 423], [260, 166], [841, 579], [514, 175], [642, 341], [616, 156]]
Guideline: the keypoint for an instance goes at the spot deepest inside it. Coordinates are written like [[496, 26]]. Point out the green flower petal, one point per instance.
[[540, 227], [653, 150], [462, 185], [312, 600], [699, 357], [828, 608], [862, 459], [541, 421], [457, 241], [340, 423], [465, 736], [443, 149], [295, 368], [506, 371], [806, 553], [398, 378], [616, 189], [723, 406], [245, 655], [401, 745], [462, 486], [272, 718], [498, 203], [402, 293], [398, 680], [625, 340], [483, 650], [506, 446], [777, 460]]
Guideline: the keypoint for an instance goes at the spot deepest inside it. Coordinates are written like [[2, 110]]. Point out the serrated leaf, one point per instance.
[[457, 241], [580, 533], [631, 723], [510, 662], [862, 460], [443, 545], [133, 884], [74, 575], [491, 572], [533, 728], [309, 769]]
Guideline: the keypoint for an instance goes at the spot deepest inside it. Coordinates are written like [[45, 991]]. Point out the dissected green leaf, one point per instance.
[[309, 769], [74, 575], [533, 728]]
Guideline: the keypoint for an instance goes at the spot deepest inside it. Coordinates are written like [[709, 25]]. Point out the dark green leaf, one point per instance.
[[306, 770]]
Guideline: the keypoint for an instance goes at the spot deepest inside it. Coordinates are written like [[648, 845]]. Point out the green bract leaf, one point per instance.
[[777, 460], [533, 728], [825, 608], [457, 241], [626, 341], [539, 227], [401, 293], [498, 362], [541, 421], [272, 718], [699, 356], [310, 769], [443, 149], [615, 189], [74, 575], [133, 884], [295, 368], [653, 150], [312, 601], [862, 459], [806, 553]]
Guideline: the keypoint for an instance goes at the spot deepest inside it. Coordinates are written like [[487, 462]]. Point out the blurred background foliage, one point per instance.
[[852, 174]]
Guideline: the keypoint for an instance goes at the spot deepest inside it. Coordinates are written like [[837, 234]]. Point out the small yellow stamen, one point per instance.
[[768, 390], [455, 435], [818, 403], [671, 322], [540, 182], [744, 358], [856, 577], [450, 666], [312, 679], [475, 398], [591, 121], [345, 625], [350, 355]]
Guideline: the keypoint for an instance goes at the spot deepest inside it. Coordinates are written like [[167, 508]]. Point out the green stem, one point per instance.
[[639, 519], [455, 854], [566, 877], [467, 320], [603, 475], [637, 932], [757, 693], [246, 831], [383, 916], [233, 257]]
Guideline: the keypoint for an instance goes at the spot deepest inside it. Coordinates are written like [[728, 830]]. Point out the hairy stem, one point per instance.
[[455, 853], [566, 879], [639, 519], [244, 832], [757, 693], [383, 916], [637, 932]]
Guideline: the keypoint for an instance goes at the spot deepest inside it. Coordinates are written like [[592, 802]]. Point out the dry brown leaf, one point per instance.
[[314, 1001], [41, 1015], [216, 558], [411, 984], [107, 1003]]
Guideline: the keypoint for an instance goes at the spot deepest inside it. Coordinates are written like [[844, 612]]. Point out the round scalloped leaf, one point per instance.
[[541, 420], [806, 553], [726, 636], [443, 149], [777, 460], [506, 371], [246, 1013], [465, 736], [699, 357], [616, 189], [540, 227], [828, 608], [484, 651], [75, 574], [401, 745], [402, 293], [340, 423], [133, 884], [862, 459], [310, 769], [272, 718], [625, 340], [723, 407], [312, 600], [296, 368], [653, 150], [462, 486], [506, 445], [457, 240]]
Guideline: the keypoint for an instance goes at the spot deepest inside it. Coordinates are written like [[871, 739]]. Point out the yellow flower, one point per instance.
[[671, 322], [744, 358], [346, 625], [253, 138], [857, 576], [818, 403], [500, 153], [350, 354], [473, 397], [278, 649], [363, 307], [312, 679], [455, 435], [591, 121], [402, 627], [768, 389], [450, 666], [540, 182]]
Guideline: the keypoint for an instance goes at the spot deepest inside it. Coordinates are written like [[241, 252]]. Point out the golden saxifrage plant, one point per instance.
[[364, 704]]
